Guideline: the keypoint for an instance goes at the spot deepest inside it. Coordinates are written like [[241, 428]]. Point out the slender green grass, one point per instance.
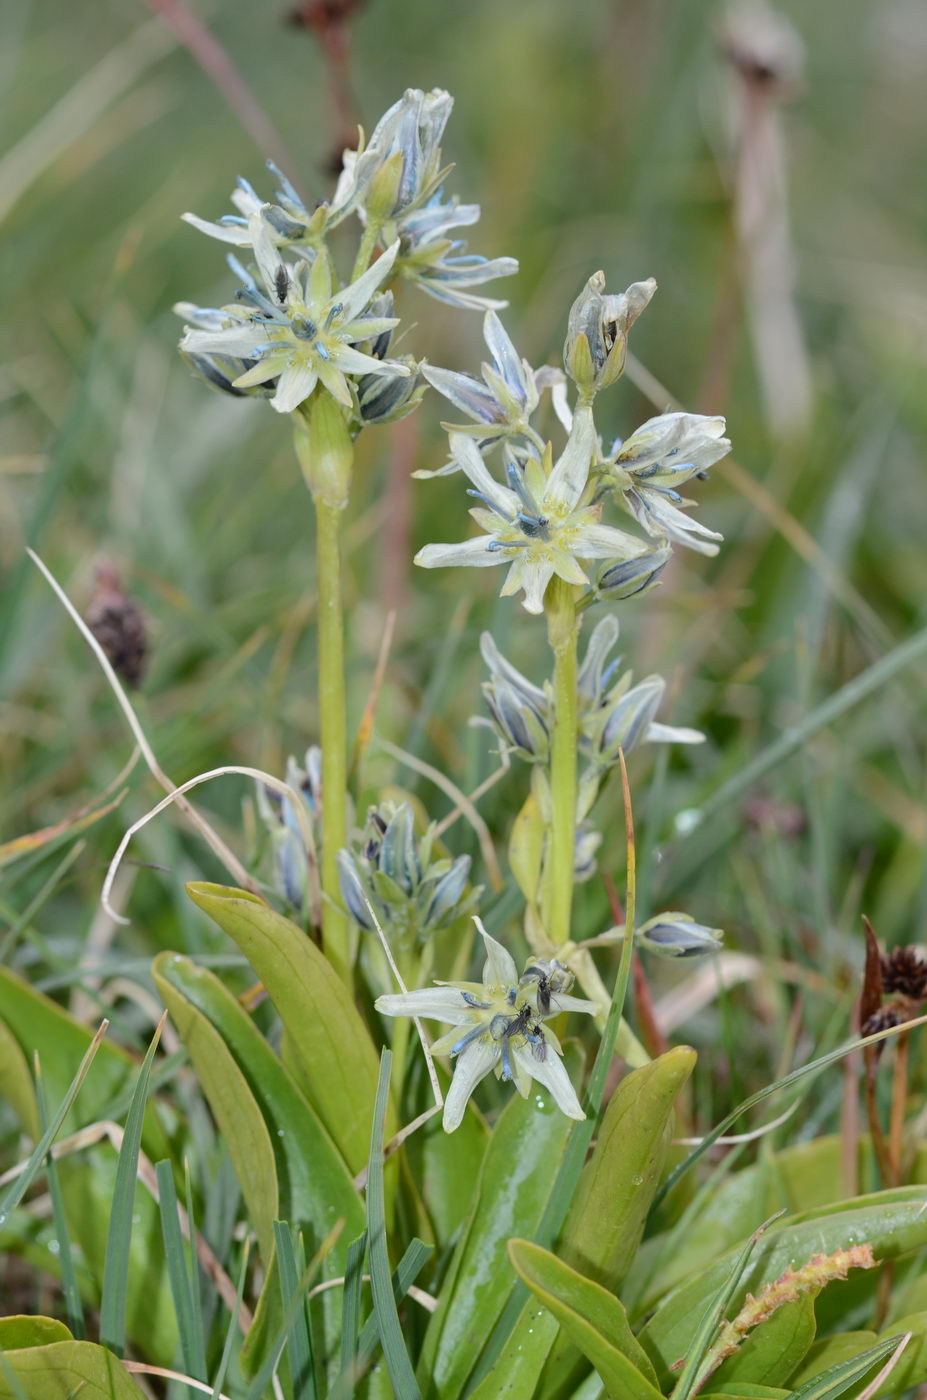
[[119, 1235]]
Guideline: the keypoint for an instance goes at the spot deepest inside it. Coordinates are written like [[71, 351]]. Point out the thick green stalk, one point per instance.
[[333, 733], [326, 456], [562, 630]]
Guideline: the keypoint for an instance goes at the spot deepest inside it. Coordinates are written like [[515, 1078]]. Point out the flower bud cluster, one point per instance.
[[413, 893], [292, 862], [294, 327]]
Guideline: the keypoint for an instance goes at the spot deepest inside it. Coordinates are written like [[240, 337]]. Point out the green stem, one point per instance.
[[562, 632], [365, 249], [333, 733]]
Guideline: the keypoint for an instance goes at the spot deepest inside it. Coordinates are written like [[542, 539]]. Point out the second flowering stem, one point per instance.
[[562, 628]]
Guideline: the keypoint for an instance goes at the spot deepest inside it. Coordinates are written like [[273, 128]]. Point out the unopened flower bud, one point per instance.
[[596, 345], [631, 577], [674, 935]]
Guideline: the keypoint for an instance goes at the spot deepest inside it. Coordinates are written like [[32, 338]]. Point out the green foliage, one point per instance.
[[591, 1317], [57, 1370], [329, 1050]]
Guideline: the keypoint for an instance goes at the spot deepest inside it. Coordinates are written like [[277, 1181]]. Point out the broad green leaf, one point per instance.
[[333, 1054], [893, 1222], [912, 1364], [16, 1083], [831, 1351], [19, 1332], [62, 1370], [606, 1222], [234, 1108], [808, 1176], [516, 1371], [316, 1188], [521, 1163], [40, 1025], [592, 1318], [771, 1352], [697, 1359], [840, 1378]]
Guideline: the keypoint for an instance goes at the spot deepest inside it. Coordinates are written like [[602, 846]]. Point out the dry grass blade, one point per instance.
[[176, 795], [214, 840]]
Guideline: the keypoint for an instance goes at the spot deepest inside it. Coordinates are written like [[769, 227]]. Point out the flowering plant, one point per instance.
[[552, 1247]]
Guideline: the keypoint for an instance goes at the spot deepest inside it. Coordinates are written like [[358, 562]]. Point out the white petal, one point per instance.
[[505, 355], [533, 575], [296, 384], [437, 1003], [240, 342], [551, 1073], [473, 1064], [261, 372], [567, 481], [607, 542], [356, 362], [466, 453], [266, 253], [499, 970], [560, 1002], [670, 734], [468, 553], [238, 234], [355, 298]]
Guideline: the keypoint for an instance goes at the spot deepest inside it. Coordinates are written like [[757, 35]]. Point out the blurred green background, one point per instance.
[[675, 139]]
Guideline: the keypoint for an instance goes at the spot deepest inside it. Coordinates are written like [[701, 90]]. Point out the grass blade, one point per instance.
[[381, 1287], [20, 1186], [186, 1304], [233, 1324], [72, 1298], [350, 1307], [263, 1377], [119, 1236], [813, 1067], [836, 1380], [299, 1338], [795, 738], [407, 1271], [195, 1290], [714, 1314]]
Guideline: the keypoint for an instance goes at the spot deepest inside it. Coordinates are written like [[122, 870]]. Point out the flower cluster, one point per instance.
[[612, 714], [545, 518], [499, 1025], [294, 325], [412, 893]]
